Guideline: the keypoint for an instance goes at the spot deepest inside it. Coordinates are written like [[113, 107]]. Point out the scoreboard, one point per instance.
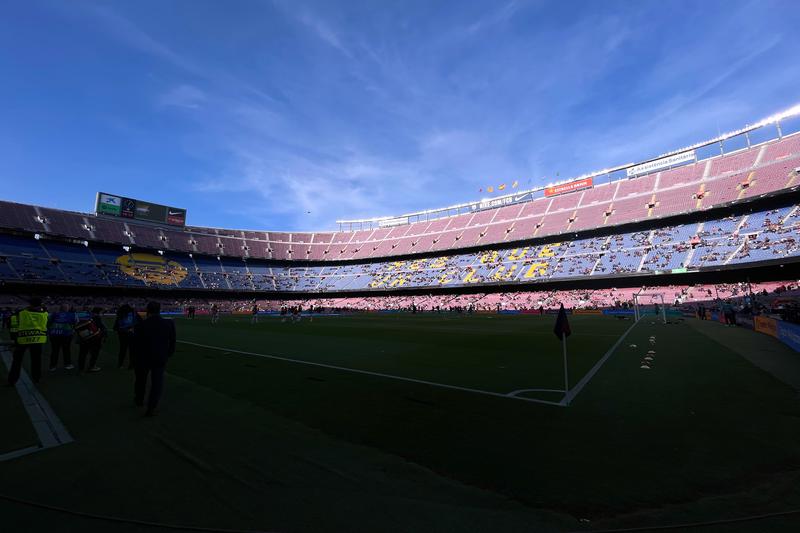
[[120, 206]]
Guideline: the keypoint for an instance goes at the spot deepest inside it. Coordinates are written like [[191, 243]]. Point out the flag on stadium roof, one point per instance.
[[501, 187]]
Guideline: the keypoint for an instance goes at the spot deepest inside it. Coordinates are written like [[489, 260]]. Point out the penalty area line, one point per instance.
[[375, 374]]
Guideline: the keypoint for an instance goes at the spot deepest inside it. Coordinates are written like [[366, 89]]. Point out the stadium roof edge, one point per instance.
[[772, 119]]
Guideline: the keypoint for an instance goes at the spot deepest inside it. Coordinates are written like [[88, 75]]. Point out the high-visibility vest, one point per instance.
[[32, 327], [13, 326]]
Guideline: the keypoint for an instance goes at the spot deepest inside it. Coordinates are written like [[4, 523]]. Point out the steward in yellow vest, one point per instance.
[[32, 327], [31, 335]]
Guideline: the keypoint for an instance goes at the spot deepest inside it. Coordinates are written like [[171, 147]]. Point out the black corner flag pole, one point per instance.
[[562, 331]]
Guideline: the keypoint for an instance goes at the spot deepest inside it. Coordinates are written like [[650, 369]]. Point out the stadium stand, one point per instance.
[[613, 226], [768, 168], [734, 240], [768, 293]]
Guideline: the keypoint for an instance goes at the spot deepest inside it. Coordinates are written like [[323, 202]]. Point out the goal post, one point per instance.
[[649, 303]]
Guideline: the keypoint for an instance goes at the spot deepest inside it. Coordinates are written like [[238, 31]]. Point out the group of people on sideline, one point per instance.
[[144, 345], [726, 309]]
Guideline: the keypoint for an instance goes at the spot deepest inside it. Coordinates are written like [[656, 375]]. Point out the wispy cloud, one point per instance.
[[129, 33], [183, 96], [321, 28], [682, 101], [495, 17], [298, 191], [309, 112], [323, 31]]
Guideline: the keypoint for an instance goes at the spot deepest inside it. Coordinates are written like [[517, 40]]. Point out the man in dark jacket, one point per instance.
[[154, 343]]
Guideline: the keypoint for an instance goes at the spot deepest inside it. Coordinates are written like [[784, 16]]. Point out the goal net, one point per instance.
[[649, 304]]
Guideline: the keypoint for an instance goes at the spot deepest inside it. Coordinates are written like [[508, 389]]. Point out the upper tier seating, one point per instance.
[[733, 240], [735, 177]]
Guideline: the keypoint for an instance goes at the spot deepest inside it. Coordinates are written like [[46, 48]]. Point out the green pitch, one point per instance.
[[485, 353], [245, 441]]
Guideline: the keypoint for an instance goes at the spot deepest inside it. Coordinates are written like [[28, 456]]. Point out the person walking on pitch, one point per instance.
[[154, 344]]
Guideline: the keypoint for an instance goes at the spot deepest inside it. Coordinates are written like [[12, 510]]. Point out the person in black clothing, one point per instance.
[[124, 324], [154, 343], [91, 334]]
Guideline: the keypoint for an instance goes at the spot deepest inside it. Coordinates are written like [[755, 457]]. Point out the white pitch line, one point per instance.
[[377, 374], [573, 392], [520, 391], [49, 429], [20, 453]]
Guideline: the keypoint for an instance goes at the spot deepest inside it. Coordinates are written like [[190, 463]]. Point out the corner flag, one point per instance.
[[561, 328], [563, 331]]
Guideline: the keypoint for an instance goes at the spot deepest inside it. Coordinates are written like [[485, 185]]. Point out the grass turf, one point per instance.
[[484, 352], [702, 434]]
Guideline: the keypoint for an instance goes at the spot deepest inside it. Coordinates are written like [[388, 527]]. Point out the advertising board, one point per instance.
[[658, 164], [766, 325], [568, 187], [789, 334], [120, 206]]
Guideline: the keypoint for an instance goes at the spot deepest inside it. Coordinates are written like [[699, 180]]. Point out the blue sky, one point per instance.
[[287, 114]]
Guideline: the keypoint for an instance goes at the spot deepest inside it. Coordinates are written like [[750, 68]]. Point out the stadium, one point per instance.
[[613, 351]]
